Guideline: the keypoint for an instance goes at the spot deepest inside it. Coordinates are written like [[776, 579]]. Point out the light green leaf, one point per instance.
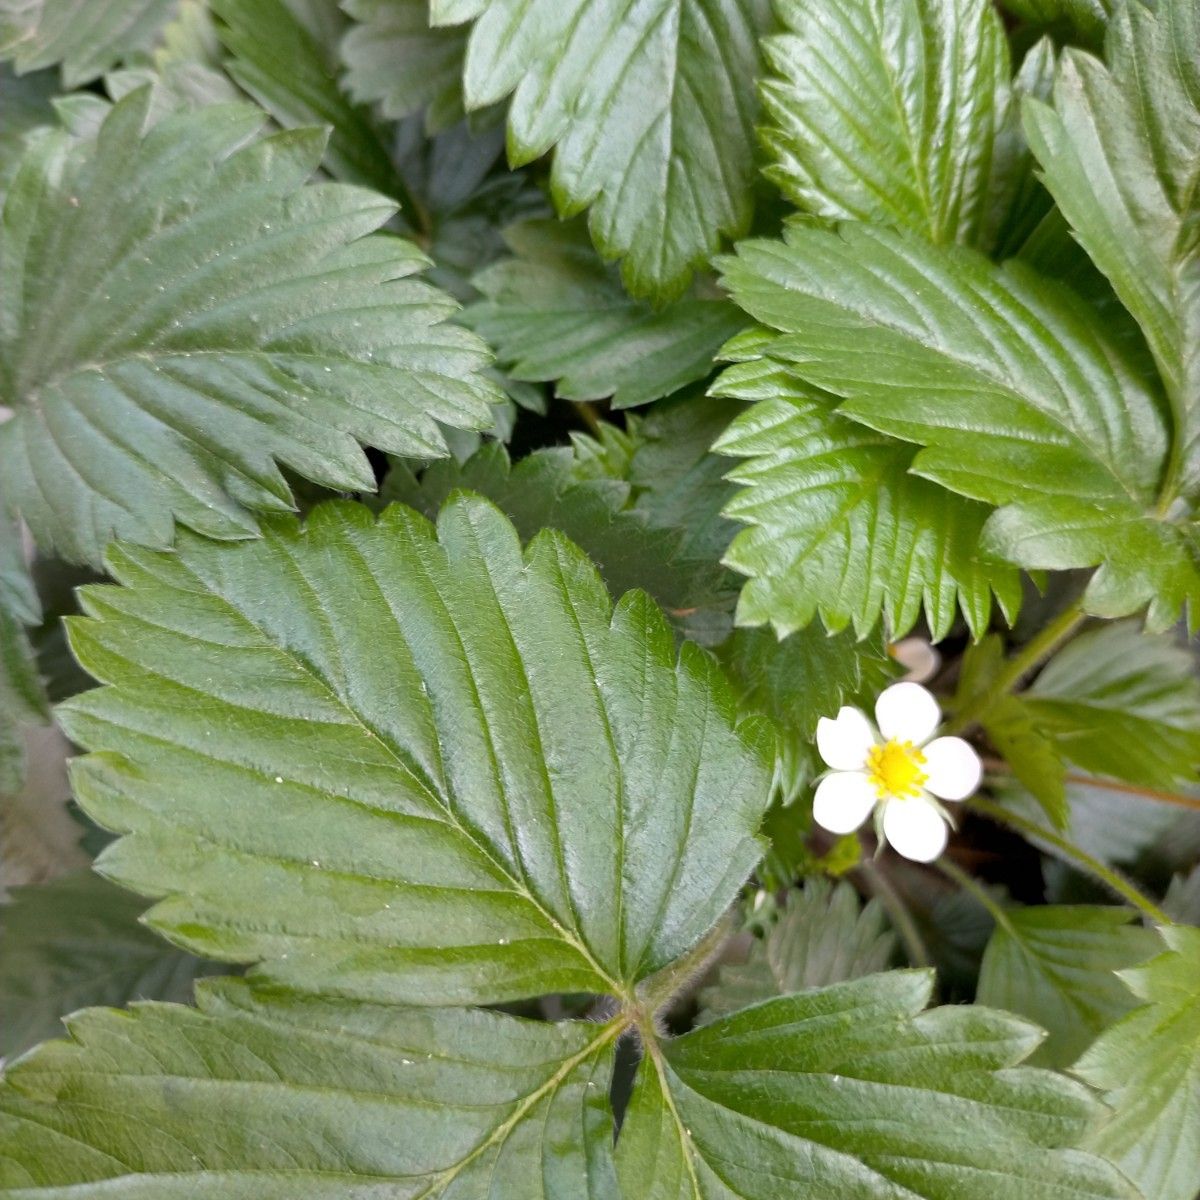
[[887, 111], [1121, 703], [76, 942], [825, 936], [554, 311], [1148, 1066], [651, 111], [1011, 384], [394, 59], [239, 320], [1057, 965], [287, 1096], [293, 76], [87, 37], [820, 488], [853, 1093], [1118, 152], [351, 745]]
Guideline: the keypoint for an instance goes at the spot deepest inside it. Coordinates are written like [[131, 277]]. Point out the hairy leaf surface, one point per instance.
[[237, 320]]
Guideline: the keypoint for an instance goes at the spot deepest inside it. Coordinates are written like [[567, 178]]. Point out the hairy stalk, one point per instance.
[[878, 884], [1068, 852], [997, 766], [956, 874]]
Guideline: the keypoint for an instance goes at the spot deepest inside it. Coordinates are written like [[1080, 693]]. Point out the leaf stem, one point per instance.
[[1069, 852], [1031, 655], [997, 766]]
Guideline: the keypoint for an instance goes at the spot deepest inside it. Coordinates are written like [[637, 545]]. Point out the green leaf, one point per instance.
[[274, 1098], [554, 311], [852, 1092], [87, 37], [1148, 1066], [352, 744], [1008, 381], [820, 488], [1121, 703], [1118, 152], [1057, 965], [22, 701], [651, 111], [25, 103], [293, 76], [241, 320], [76, 942], [1182, 901], [887, 111], [825, 936]]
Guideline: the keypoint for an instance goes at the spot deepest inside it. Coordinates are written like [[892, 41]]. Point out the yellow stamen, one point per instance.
[[895, 769]]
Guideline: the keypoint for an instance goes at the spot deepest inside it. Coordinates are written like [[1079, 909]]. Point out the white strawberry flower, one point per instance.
[[897, 767]]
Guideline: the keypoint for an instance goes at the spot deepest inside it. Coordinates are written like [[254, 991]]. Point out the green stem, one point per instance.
[[590, 417], [1031, 655], [879, 885], [1071, 853], [955, 873]]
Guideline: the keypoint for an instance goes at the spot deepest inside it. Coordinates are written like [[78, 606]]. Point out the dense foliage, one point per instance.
[[596, 599]]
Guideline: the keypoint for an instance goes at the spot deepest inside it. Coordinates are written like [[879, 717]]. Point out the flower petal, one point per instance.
[[843, 801], [908, 713], [952, 768], [915, 829], [843, 743]]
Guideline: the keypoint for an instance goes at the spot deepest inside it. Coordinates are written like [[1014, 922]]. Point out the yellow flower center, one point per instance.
[[895, 769]]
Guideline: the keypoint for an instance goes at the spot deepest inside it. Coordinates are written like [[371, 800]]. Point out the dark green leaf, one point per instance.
[[556, 312], [887, 111], [1148, 1066], [821, 489], [825, 936], [853, 1093], [77, 942], [285, 1097], [1057, 965], [238, 320], [651, 111], [400, 766]]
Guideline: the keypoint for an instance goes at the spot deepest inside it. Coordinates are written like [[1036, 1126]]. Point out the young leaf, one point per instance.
[[1123, 704], [393, 58], [887, 111], [1057, 965], [395, 765], [1118, 152], [1010, 383], [850, 1093], [556, 312], [87, 37], [651, 109], [287, 1096], [275, 59], [75, 942], [237, 319], [825, 936], [819, 489], [1148, 1066]]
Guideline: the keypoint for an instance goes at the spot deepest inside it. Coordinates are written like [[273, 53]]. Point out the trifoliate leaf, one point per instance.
[[77, 942], [852, 1092], [1057, 965], [1011, 384], [291, 1096], [400, 766], [294, 77], [87, 37], [650, 110], [1118, 152], [1124, 704], [238, 320], [393, 58], [825, 936], [887, 111], [555, 312], [838, 527], [1148, 1066]]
